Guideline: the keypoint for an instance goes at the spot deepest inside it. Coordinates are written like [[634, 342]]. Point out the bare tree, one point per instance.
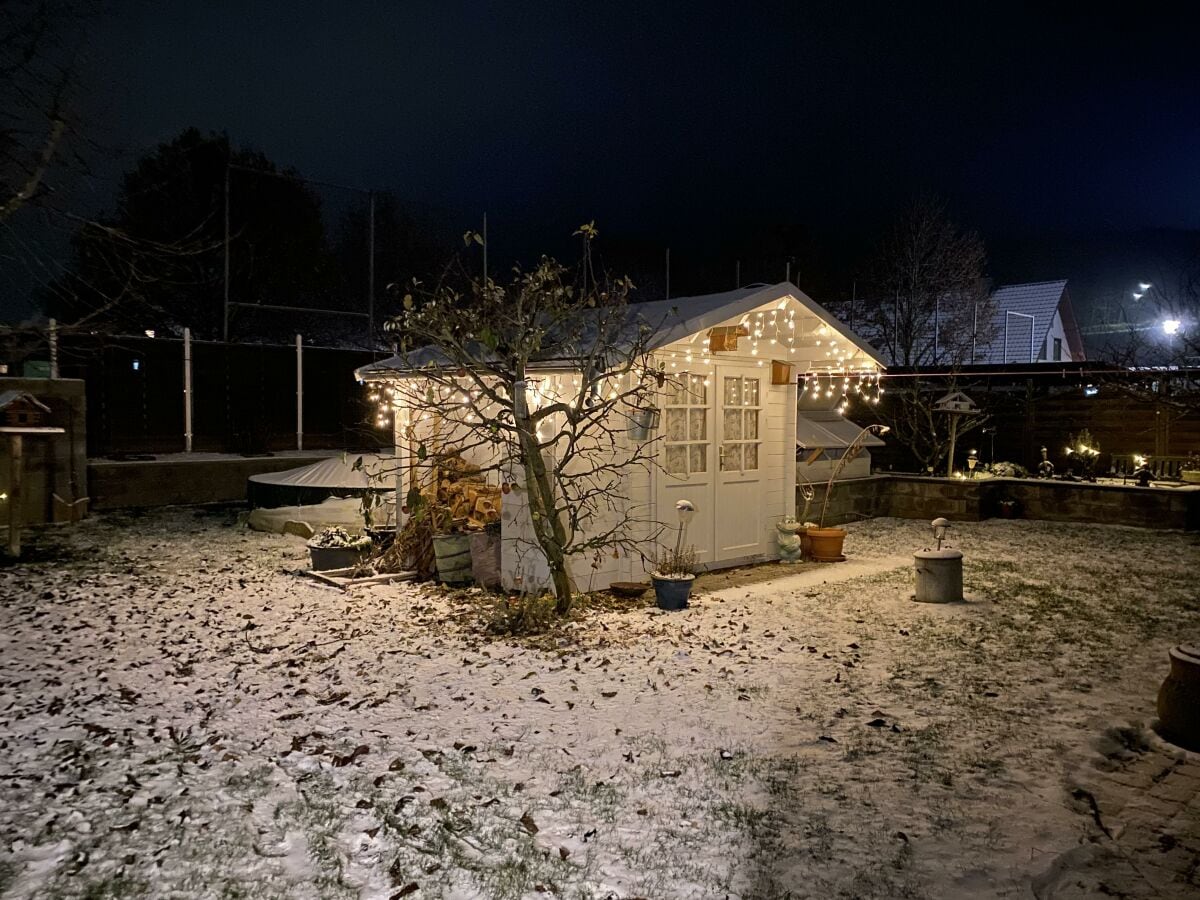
[[931, 304], [538, 379], [1158, 348], [932, 310], [40, 43]]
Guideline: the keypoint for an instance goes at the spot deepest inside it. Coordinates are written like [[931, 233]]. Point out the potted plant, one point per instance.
[[1009, 508], [673, 575], [336, 548], [825, 544]]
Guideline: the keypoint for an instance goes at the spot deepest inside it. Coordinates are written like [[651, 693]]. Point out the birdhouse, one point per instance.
[[725, 337], [956, 402], [19, 409]]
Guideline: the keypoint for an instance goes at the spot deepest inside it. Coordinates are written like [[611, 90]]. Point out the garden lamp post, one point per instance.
[[686, 510], [972, 461]]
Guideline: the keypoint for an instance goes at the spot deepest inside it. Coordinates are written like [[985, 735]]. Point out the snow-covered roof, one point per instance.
[[830, 430], [668, 320]]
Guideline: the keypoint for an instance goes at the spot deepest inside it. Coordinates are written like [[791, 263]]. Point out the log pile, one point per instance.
[[471, 501]]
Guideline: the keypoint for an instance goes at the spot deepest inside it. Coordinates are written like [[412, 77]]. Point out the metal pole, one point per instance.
[[299, 393], [371, 272], [187, 390], [1032, 329], [937, 312], [53, 348], [1004, 355], [788, 275], [225, 317], [14, 496], [974, 328]]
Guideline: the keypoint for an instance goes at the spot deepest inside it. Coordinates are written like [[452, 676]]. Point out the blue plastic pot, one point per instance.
[[672, 593]]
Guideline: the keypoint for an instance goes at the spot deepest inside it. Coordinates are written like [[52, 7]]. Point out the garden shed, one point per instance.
[[726, 430]]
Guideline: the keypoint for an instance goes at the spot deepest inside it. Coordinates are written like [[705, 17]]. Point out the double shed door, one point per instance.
[[712, 455]]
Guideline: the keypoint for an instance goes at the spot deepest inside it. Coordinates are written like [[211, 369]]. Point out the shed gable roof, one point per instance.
[[669, 320]]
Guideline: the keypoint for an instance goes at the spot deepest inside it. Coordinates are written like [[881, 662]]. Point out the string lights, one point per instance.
[[833, 369]]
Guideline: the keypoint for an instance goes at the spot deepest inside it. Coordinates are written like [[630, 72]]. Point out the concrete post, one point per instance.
[[299, 393], [187, 390], [16, 449]]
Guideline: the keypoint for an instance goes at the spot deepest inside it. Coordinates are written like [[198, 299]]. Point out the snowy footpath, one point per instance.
[[181, 715]]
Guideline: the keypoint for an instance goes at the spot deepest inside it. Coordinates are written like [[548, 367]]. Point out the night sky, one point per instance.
[[683, 123]]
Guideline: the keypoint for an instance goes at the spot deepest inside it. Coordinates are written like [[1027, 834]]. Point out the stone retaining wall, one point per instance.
[[915, 497]]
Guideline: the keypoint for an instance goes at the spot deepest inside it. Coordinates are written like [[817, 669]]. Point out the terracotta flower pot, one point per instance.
[[825, 544], [1179, 699]]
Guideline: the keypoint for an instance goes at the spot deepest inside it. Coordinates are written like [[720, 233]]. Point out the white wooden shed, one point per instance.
[[727, 433]]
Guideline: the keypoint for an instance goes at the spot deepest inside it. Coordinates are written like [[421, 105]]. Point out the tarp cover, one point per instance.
[[336, 476], [338, 473], [347, 513], [829, 430]]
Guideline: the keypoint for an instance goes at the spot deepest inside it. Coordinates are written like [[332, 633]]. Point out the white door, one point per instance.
[[738, 520], [687, 462]]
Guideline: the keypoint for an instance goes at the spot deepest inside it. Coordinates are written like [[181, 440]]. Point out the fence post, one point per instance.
[[299, 393], [53, 348], [187, 390]]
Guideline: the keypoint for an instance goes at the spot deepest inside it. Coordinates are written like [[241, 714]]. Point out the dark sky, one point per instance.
[[682, 122]]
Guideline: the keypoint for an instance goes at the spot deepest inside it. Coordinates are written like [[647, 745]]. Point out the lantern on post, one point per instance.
[[686, 511]]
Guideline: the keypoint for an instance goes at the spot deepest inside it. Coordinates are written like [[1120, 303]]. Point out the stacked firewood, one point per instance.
[[472, 502]]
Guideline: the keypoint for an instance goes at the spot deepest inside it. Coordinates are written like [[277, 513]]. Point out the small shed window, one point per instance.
[[1058, 349]]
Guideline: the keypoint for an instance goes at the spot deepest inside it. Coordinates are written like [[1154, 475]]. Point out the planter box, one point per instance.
[[326, 558]]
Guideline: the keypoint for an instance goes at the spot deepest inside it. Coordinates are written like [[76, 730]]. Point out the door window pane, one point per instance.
[[676, 392], [751, 457], [733, 392], [699, 393], [733, 425], [699, 458], [697, 425], [750, 392], [731, 459], [751, 432], [676, 424], [677, 458]]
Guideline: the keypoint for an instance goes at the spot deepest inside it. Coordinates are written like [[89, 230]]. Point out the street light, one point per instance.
[[972, 461], [1171, 326], [1144, 286]]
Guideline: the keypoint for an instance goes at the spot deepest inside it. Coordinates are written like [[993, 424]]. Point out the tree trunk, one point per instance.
[[953, 440], [549, 531]]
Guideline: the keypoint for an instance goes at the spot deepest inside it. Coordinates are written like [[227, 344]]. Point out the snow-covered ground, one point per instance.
[[182, 716]]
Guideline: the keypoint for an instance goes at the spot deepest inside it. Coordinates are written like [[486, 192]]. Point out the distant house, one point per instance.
[[1034, 323]]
